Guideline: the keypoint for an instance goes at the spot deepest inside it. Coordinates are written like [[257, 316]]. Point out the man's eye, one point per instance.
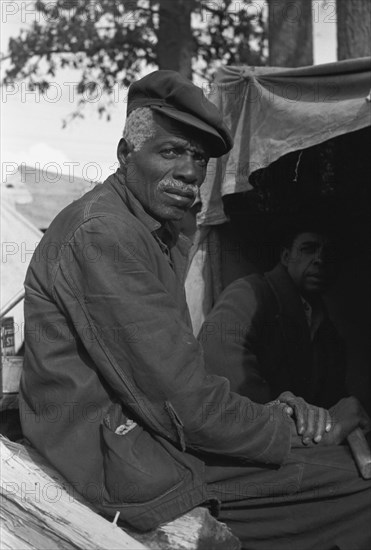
[[169, 153], [309, 249], [201, 159], [174, 152]]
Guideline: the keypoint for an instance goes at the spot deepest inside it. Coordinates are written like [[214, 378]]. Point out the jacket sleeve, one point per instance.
[[133, 330], [230, 338]]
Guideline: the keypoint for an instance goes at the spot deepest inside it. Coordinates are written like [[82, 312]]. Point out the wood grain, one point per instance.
[[41, 511]]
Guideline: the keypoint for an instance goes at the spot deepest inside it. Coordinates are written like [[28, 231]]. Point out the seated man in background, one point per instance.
[[271, 335], [114, 392]]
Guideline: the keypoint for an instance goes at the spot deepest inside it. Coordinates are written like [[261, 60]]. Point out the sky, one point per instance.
[[31, 124]]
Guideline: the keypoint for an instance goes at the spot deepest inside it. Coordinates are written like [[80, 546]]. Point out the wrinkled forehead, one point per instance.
[[312, 238], [167, 128]]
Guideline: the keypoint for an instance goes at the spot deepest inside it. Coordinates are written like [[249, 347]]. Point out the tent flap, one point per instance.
[[274, 111]]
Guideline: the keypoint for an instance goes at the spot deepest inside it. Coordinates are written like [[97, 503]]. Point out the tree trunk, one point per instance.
[[353, 28], [175, 41], [290, 33]]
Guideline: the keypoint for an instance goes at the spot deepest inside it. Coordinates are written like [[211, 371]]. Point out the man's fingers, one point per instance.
[[300, 413], [311, 422], [328, 421], [286, 396], [321, 424], [365, 423], [310, 426]]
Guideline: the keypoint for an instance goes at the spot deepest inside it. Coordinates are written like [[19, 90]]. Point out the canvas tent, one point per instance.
[[19, 239], [39, 195], [30, 200], [271, 112]]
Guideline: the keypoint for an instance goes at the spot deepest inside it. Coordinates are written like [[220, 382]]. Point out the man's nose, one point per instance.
[[186, 169], [320, 256]]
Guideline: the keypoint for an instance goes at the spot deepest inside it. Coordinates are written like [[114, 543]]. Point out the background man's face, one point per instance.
[[167, 171], [309, 263]]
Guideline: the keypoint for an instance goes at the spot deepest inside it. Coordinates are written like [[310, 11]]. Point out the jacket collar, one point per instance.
[[290, 302], [314, 315], [117, 181], [286, 293]]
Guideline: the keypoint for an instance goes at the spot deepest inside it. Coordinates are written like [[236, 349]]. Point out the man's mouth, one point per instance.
[[316, 276], [180, 197], [180, 193], [180, 201]]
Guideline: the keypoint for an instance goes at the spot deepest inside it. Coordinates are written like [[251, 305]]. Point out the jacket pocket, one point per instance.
[[137, 468]]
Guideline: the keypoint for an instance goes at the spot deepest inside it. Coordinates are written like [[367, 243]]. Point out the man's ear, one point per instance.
[[285, 256], [123, 150]]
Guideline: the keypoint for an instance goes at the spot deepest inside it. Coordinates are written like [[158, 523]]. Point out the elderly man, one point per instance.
[[114, 391]]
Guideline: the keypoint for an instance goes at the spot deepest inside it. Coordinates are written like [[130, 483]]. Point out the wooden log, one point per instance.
[[196, 530], [41, 510], [361, 452]]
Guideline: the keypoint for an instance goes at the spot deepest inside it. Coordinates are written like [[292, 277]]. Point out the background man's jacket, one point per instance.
[[258, 336]]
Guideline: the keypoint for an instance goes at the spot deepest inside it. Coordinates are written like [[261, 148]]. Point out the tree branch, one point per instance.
[[213, 11]]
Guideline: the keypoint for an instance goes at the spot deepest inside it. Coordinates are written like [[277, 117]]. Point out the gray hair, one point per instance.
[[140, 126]]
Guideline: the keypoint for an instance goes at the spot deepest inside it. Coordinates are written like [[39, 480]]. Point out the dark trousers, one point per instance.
[[317, 500]]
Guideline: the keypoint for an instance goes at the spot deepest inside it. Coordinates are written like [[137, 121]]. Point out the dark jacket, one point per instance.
[[257, 335], [108, 337]]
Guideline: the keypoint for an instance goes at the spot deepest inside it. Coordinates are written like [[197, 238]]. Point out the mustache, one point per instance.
[[167, 184]]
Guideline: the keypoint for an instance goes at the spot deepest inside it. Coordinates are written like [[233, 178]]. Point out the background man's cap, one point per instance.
[[176, 97]]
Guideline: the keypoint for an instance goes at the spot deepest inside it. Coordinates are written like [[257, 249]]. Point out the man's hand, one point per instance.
[[347, 415], [312, 422]]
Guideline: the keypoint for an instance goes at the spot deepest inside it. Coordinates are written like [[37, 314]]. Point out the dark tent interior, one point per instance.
[[329, 181]]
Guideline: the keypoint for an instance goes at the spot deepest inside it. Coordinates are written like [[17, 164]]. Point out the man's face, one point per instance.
[[309, 263], [167, 171]]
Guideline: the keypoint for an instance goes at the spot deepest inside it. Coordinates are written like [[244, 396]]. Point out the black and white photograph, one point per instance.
[[185, 275]]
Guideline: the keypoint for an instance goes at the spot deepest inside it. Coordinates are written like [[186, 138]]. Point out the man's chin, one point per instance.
[[176, 216], [315, 287], [169, 214]]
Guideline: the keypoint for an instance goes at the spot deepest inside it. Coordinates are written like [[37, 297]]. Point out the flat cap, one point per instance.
[[178, 98]]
